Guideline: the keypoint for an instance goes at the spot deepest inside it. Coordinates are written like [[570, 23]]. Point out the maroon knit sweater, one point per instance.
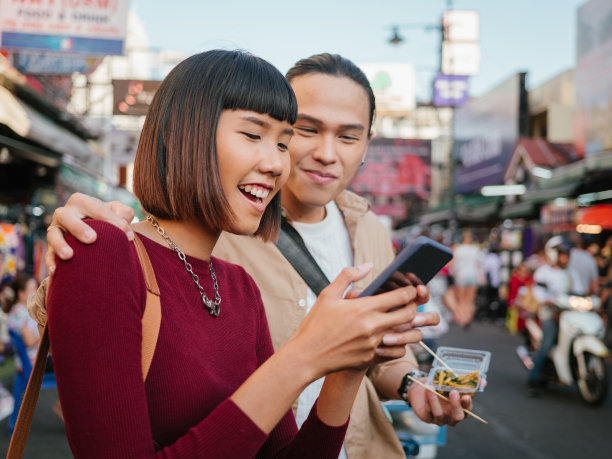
[[95, 306]]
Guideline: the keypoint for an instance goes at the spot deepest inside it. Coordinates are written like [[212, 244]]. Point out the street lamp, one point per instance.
[[396, 38]]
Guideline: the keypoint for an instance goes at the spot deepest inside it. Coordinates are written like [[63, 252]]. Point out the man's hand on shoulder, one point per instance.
[[70, 219]]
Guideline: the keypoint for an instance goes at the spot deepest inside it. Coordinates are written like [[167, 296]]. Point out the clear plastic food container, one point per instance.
[[470, 368]]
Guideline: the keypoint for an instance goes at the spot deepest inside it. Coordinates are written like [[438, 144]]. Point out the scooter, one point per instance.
[[580, 355]]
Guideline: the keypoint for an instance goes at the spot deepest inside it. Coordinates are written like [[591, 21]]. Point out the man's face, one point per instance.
[[563, 259], [330, 141]]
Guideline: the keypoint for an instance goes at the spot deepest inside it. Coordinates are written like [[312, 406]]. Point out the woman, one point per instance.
[[18, 318], [212, 156]]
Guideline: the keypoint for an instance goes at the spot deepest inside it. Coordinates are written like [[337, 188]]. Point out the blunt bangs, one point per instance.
[[256, 85]]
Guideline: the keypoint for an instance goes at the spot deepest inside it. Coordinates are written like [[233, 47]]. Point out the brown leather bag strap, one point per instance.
[[151, 322], [30, 397], [151, 318]]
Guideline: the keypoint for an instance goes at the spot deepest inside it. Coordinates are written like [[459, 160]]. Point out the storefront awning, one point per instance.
[[598, 215], [548, 194], [31, 125]]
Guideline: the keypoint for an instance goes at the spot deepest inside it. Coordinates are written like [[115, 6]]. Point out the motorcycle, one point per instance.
[[580, 356]]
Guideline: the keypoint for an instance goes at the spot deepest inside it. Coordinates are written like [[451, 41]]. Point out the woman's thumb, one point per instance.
[[347, 276]]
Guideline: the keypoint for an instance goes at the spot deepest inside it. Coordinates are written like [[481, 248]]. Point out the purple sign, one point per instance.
[[485, 133], [450, 90]]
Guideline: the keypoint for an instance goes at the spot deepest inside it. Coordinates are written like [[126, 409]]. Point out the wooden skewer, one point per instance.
[[445, 398], [435, 356]]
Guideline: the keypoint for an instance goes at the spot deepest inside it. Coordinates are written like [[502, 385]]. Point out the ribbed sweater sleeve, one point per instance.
[[95, 307]]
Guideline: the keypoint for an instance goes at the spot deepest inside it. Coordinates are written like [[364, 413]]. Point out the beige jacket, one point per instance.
[[370, 434]]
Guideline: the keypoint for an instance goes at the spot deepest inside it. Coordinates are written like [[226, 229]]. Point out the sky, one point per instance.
[[536, 36]]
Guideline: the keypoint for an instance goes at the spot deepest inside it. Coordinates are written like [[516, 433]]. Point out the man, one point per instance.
[[551, 280], [333, 130], [585, 266]]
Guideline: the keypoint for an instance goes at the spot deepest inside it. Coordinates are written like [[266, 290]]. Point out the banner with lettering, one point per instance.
[[70, 26]]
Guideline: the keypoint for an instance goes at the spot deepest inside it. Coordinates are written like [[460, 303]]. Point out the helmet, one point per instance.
[[554, 247]]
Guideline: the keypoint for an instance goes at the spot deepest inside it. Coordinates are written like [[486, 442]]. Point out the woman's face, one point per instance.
[[253, 163]]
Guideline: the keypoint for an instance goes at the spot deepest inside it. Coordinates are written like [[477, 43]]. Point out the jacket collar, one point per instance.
[[351, 205]]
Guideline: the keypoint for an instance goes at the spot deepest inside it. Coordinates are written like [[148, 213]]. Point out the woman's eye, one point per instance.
[[252, 136], [283, 147]]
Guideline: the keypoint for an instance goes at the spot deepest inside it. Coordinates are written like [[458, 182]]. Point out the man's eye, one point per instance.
[[306, 130], [252, 136], [349, 138], [283, 147]]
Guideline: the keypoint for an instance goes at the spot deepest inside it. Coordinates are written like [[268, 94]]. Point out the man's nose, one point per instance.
[[326, 150]]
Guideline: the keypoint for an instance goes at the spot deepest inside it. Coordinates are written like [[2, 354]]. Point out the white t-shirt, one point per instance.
[[329, 243], [550, 282]]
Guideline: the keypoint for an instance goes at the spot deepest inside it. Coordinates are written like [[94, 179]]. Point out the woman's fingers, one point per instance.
[[346, 277]]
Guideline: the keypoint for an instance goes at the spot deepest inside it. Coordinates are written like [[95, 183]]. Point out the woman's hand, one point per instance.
[[340, 333], [70, 219]]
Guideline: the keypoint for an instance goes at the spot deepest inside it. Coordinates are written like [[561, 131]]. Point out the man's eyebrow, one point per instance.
[[318, 122], [264, 124]]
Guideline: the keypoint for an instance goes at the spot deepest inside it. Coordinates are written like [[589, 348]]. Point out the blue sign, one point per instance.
[[50, 63], [450, 90]]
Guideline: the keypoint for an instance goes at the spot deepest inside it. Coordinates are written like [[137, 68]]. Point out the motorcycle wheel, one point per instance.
[[594, 387]]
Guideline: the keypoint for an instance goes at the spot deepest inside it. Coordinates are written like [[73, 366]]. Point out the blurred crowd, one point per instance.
[[479, 283]]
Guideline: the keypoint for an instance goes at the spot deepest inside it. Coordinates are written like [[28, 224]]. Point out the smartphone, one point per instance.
[[424, 258]]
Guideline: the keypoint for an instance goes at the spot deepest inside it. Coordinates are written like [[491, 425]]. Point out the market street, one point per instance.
[[557, 424]]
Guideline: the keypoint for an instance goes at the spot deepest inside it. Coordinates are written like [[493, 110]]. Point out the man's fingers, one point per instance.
[[407, 337], [50, 260], [122, 211], [57, 245], [88, 207], [457, 413], [467, 402]]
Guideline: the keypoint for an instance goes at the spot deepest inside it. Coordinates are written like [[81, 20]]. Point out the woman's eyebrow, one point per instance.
[[264, 124]]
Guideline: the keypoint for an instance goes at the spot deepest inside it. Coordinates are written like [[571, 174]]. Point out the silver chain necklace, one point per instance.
[[213, 307]]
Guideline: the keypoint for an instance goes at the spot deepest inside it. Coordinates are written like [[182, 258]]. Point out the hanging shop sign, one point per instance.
[[450, 90], [486, 130], [396, 176], [68, 26], [593, 101], [393, 85], [52, 63], [132, 97]]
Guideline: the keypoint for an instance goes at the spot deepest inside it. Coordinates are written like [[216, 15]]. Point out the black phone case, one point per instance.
[[424, 257]]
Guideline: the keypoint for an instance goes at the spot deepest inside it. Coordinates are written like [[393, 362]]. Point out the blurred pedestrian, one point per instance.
[[20, 322], [467, 275], [491, 268], [584, 264]]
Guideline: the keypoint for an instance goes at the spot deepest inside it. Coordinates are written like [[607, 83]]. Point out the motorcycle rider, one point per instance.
[[550, 280]]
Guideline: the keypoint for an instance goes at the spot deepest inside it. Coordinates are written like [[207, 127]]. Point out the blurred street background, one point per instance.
[[493, 123]]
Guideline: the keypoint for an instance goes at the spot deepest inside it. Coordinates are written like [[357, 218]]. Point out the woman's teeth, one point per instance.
[[257, 192]]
